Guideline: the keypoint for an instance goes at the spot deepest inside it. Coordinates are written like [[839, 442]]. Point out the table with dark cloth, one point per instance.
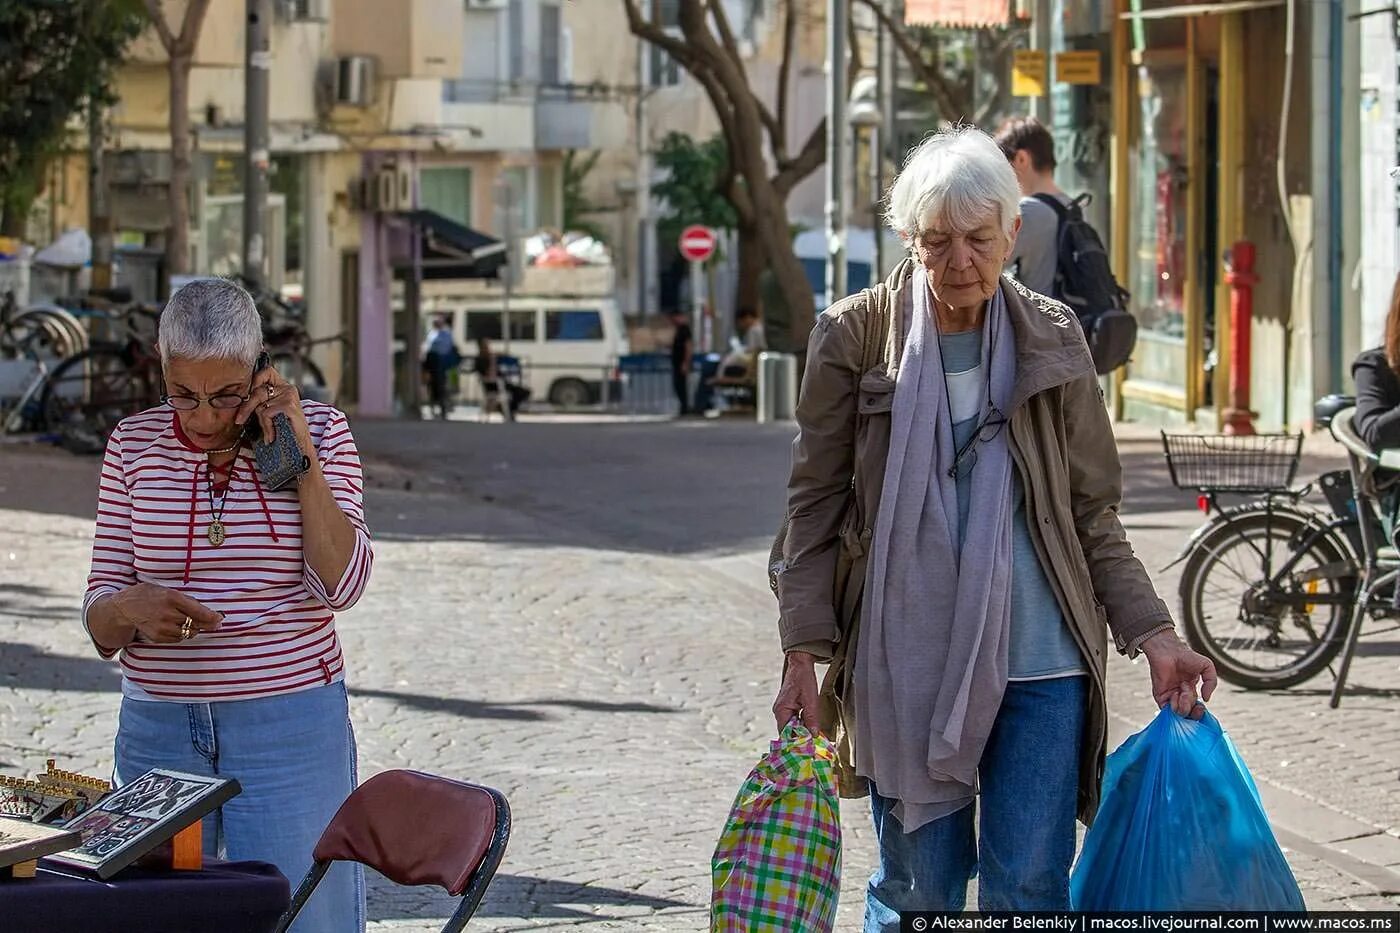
[[226, 897]]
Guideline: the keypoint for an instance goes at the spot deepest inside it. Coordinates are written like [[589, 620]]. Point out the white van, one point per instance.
[[568, 346]]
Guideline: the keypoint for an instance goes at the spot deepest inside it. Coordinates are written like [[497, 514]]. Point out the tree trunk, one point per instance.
[[12, 217], [177, 247], [750, 265]]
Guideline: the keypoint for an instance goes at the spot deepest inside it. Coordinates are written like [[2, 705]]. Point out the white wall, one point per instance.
[[1380, 194]]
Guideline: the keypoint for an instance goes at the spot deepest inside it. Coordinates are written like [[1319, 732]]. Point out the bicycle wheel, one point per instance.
[[1259, 627], [88, 393]]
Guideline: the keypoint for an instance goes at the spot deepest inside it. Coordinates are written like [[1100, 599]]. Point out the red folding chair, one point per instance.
[[416, 828]]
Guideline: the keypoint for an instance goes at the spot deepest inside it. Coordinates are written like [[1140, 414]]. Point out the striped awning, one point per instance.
[[958, 14]]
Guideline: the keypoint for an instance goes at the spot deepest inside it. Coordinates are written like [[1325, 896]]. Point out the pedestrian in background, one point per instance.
[[219, 595], [968, 656], [682, 354], [440, 358], [1030, 149]]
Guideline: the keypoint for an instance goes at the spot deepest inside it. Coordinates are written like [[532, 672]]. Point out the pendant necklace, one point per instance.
[[217, 535]]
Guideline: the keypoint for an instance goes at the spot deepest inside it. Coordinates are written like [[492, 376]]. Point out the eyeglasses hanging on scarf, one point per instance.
[[990, 424], [985, 433]]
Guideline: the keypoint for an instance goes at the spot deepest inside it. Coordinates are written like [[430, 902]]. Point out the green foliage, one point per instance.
[[694, 172], [54, 56], [577, 205]]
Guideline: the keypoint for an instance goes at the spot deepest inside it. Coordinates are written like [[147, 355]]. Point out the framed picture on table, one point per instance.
[[24, 841], [137, 818]]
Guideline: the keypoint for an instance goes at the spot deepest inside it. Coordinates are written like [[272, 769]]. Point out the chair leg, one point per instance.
[[302, 895], [1363, 599]]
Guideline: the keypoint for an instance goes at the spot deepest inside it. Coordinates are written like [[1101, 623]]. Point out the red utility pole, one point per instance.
[[1239, 275]]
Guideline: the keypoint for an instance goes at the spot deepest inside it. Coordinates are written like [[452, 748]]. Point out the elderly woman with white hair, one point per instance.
[[220, 594], [953, 550]]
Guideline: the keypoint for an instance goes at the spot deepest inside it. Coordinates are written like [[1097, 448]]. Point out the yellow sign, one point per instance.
[[1078, 68], [1029, 70]]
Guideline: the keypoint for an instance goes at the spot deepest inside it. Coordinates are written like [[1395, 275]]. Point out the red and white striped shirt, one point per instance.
[[153, 515]]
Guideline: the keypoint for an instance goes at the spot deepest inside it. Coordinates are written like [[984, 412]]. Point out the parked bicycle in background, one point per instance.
[[1274, 588]]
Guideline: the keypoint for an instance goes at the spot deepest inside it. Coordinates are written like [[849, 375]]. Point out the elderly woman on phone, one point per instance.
[[953, 546], [219, 593]]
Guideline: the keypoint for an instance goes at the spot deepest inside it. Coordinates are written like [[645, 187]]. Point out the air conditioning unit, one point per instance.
[[487, 4], [354, 81], [305, 11], [392, 189]]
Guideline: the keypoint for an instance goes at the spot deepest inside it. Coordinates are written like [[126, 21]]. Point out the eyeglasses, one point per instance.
[[222, 402], [985, 433]]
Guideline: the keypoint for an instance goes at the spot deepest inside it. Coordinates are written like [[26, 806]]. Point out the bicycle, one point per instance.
[[88, 393], [1274, 589]]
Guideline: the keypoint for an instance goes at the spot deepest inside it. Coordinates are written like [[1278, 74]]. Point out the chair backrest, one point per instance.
[[1344, 430], [417, 828]]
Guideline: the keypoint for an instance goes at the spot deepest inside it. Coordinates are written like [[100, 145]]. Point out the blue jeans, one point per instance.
[[1029, 782], [293, 755]]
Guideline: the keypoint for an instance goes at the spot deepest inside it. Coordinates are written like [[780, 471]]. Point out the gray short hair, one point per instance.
[[211, 319], [957, 177]]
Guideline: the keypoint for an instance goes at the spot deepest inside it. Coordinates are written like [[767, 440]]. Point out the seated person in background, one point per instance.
[[1377, 417], [749, 341], [487, 367]]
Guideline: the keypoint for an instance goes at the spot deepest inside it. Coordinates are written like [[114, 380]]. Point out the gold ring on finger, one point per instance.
[[187, 628], [268, 387]]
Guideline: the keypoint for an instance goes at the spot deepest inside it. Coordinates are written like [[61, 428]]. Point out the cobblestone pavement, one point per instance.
[[577, 614]]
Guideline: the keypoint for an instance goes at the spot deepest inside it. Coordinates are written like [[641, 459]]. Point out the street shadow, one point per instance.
[[38, 603], [522, 711], [520, 897], [24, 667], [38, 478]]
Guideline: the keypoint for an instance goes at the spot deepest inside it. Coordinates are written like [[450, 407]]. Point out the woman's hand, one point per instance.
[[798, 694], [270, 396], [158, 614], [1175, 672]]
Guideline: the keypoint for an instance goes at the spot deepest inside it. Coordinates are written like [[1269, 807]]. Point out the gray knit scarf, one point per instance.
[[932, 665]]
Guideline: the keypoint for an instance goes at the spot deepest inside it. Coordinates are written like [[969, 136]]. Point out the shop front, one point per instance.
[[1193, 147]]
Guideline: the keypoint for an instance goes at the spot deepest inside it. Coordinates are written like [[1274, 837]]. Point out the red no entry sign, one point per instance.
[[697, 243]]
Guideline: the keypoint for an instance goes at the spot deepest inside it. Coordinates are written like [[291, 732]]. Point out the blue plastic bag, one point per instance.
[[1181, 827]]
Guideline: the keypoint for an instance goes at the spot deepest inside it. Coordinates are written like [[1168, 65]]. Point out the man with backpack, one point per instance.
[[1058, 253]]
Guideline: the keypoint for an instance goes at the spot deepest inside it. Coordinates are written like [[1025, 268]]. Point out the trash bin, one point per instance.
[[777, 387]]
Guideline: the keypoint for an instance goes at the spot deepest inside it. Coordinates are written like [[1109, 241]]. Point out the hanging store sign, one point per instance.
[[1030, 69], [1080, 67]]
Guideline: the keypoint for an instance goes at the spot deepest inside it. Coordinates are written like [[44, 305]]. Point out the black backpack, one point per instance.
[[1084, 281]]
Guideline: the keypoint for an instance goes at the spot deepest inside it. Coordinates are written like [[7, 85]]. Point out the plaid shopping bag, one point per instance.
[[777, 867]]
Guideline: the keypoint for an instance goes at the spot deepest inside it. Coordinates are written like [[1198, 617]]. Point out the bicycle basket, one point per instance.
[[1254, 463]]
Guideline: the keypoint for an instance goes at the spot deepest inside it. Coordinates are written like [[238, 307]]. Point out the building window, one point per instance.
[[516, 25], [447, 191], [549, 190], [550, 52], [664, 70]]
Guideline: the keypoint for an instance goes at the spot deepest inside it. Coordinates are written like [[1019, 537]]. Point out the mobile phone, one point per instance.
[[279, 460]]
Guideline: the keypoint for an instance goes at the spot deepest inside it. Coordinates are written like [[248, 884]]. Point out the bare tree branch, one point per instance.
[[949, 107], [807, 161], [649, 31], [726, 33], [784, 75], [154, 9], [190, 28], [731, 45]]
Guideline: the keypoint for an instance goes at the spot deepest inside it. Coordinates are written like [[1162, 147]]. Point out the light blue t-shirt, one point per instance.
[[1042, 645]]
